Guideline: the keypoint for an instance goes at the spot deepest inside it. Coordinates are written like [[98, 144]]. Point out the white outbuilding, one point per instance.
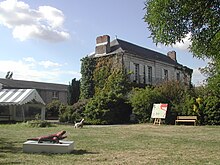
[[21, 105]]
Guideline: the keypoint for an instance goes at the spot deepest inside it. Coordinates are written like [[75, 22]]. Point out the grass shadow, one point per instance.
[[5, 163], [74, 152], [82, 152], [9, 146]]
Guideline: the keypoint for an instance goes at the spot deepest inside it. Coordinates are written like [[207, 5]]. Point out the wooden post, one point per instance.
[[157, 121]]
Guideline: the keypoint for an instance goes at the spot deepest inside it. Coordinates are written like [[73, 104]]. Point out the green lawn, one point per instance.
[[125, 144]]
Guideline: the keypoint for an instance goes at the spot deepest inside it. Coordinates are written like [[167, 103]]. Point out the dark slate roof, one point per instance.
[[11, 83], [118, 45]]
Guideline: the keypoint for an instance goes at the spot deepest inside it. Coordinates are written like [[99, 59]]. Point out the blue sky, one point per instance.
[[44, 40]]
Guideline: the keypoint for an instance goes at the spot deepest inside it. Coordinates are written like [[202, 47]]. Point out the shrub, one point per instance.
[[175, 94], [212, 99], [72, 113], [52, 108], [107, 109], [212, 110], [38, 123], [142, 101]]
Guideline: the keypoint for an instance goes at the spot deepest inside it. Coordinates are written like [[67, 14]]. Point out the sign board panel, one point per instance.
[[159, 111]]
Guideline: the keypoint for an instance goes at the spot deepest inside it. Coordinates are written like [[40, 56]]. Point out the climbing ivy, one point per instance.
[[87, 83], [109, 84], [102, 74], [102, 71]]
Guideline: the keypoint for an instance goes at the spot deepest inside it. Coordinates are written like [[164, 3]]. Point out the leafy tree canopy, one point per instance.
[[172, 20]]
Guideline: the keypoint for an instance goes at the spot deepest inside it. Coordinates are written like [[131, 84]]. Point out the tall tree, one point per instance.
[[73, 91], [172, 20], [9, 75]]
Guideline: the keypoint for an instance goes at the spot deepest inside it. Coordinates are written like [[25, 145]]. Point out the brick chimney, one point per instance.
[[102, 44], [172, 55]]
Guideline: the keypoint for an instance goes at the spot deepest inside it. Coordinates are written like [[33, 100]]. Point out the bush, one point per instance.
[[212, 110], [212, 100], [72, 113], [175, 94], [52, 109], [107, 109], [181, 101], [39, 123], [142, 101]]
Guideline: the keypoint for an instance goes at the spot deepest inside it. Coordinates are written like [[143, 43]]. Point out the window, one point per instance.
[[136, 73], [178, 76], [144, 77], [165, 74], [55, 94], [149, 68]]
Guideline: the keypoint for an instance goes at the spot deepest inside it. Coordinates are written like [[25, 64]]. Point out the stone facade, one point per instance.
[[144, 66]]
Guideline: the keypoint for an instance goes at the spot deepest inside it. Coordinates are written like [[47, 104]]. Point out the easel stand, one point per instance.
[[157, 121]]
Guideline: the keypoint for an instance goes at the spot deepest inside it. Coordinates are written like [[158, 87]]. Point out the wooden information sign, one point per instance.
[[159, 112]]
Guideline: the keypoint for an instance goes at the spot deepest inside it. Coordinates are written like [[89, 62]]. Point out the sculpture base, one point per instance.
[[47, 147]]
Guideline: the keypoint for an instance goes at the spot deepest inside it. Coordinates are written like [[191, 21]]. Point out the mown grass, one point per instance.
[[124, 144]]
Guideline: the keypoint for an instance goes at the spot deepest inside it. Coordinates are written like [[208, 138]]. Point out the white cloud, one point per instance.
[[198, 78], [46, 23], [184, 45], [74, 73], [52, 16], [48, 64], [30, 69], [29, 59]]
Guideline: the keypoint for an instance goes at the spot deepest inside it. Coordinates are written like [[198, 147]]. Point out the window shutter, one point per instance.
[[146, 74], [162, 73], [141, 73], [132, 71]]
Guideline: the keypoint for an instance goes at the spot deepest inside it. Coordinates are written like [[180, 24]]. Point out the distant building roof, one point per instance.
[[11, 83], [118, 45]]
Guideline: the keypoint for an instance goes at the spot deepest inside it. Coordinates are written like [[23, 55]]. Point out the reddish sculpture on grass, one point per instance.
[[54, 138]]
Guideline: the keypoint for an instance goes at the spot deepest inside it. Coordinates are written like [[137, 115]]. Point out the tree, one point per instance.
[[73, 91], [9, 75], [172, 20]]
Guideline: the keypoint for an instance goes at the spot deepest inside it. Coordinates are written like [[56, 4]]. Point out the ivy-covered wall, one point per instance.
[[105, 67], [86, 82], [110, 84], [96, 73]]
